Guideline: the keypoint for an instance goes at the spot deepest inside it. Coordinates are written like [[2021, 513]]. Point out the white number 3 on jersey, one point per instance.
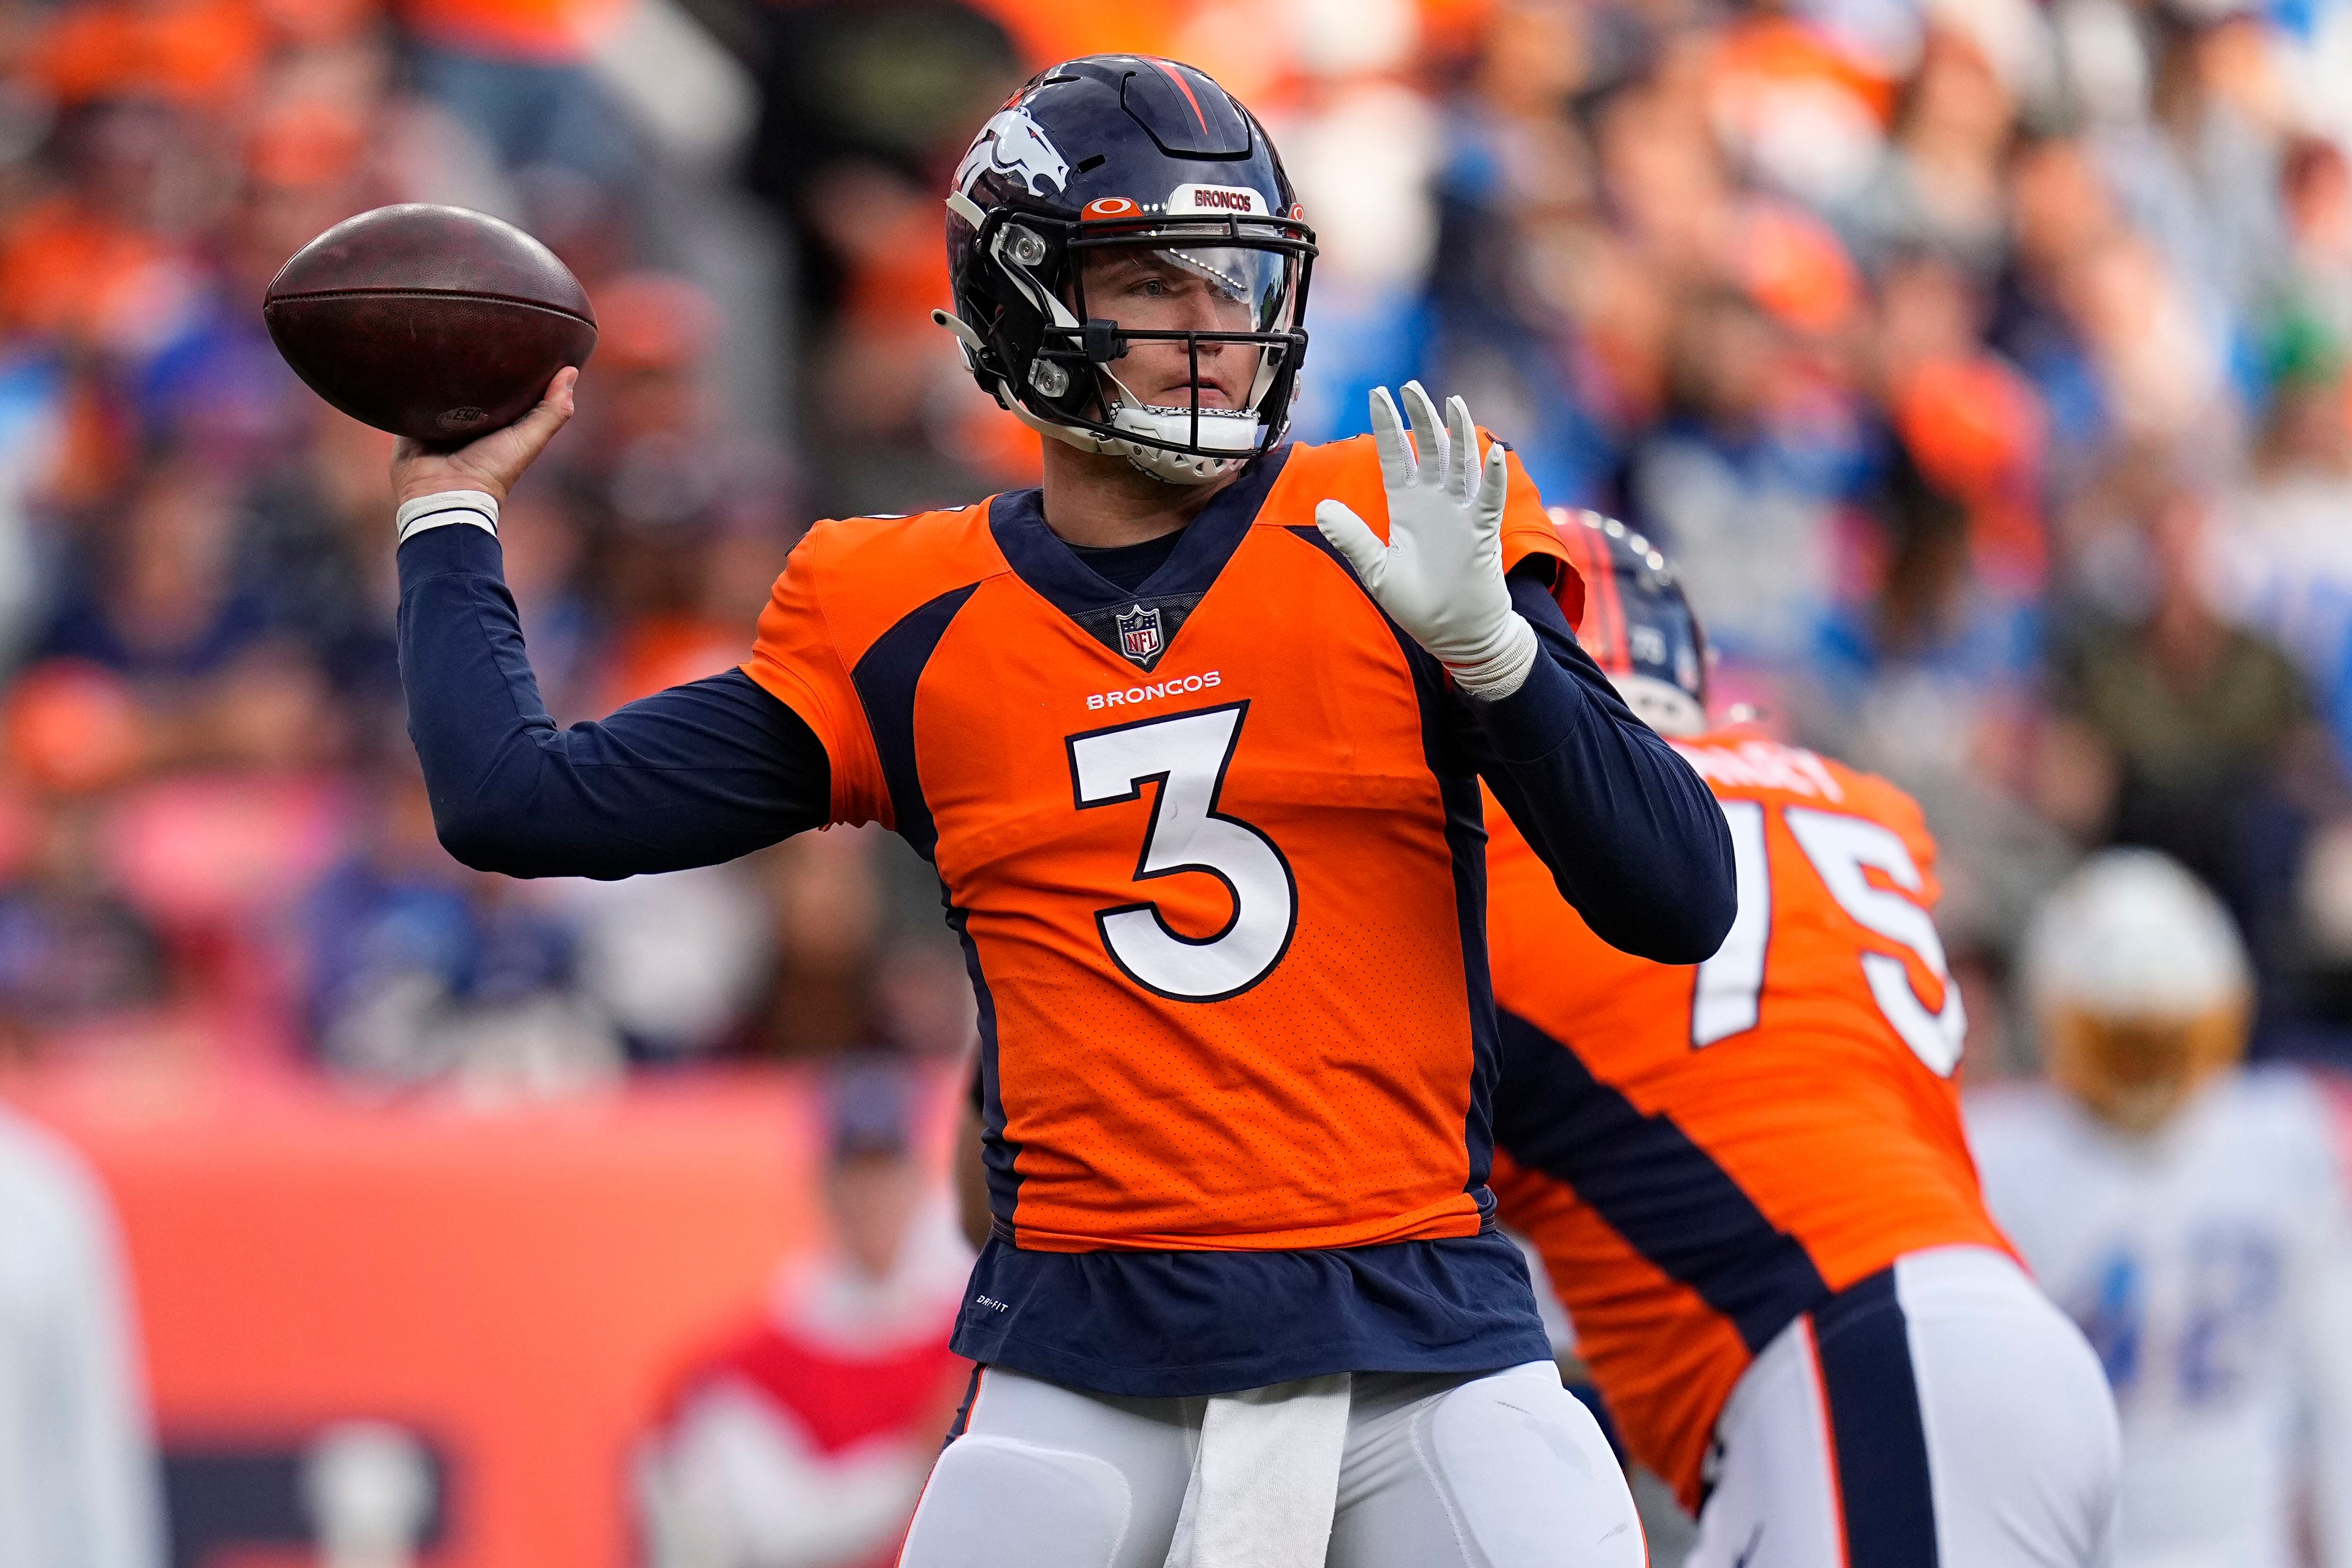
[[1842, 850], [1187, 755]]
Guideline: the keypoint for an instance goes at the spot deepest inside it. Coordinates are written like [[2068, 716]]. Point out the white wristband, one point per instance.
[[438, 510]]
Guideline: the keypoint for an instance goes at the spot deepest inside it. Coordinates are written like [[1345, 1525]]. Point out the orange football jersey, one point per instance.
[[1704, 1152], [1205, 873]]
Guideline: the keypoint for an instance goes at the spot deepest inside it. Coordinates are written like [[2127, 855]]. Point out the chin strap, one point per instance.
[[963, 332], [1084, 440]]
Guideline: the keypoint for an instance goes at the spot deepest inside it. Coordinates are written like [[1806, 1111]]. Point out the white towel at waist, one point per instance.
[[1266, 1478]]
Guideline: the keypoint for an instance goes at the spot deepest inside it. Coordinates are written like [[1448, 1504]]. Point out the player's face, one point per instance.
[[1196, 290]]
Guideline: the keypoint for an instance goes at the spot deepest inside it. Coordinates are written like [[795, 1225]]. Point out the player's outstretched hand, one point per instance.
[[1439, 574], [491, 464]]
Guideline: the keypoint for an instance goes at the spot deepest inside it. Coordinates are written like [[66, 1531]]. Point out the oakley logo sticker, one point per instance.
[[1012, 144]]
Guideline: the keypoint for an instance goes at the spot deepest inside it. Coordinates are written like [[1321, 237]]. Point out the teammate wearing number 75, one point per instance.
[[1194, 736], [1748, 1179]]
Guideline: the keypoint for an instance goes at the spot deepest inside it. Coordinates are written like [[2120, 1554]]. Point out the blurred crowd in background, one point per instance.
[[1983, 363]]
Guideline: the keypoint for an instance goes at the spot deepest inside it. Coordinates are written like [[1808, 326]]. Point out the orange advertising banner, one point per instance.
[[503, 1288]]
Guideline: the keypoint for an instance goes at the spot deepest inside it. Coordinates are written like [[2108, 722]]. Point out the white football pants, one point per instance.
[[1941, 1414], [1499, 1469]]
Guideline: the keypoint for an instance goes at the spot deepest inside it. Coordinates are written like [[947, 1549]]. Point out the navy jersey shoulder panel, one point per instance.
[[1175, 1324], [1466, 841], [886, 676], [1017, 519], [1656, 1187], [999, 1156]]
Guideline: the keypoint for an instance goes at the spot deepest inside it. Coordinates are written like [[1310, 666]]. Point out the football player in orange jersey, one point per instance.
[[1748, 1180], [1194, 736]]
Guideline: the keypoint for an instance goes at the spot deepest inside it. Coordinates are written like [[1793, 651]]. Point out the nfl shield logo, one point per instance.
[[1139, 632]]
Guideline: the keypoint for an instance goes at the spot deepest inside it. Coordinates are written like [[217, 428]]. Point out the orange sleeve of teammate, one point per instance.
[[796, 661]]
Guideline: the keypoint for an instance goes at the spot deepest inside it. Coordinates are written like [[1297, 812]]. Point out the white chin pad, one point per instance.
[[1663, 706], [1233, 430], [1223, 430]]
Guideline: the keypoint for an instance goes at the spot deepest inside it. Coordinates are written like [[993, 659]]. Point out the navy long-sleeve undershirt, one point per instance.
[[709, 771], [690, 776], [1632, 834]]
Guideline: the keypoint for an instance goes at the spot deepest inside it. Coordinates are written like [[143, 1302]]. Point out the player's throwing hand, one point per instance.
[[1439, 574], [491, 464]]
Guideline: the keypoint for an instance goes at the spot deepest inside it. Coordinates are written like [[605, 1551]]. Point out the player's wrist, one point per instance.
[[404, 490], [444, 507], [1499, 666], [418, 472]]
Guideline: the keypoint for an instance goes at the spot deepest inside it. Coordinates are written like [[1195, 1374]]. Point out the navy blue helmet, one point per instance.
[[1638, 627], [1127, 153]]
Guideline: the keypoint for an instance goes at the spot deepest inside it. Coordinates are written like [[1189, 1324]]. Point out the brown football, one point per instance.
[[429, 322]]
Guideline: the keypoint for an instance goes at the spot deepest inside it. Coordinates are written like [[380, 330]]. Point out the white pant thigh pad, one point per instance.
[[2021, 1433], [1506, 1471], [998, 1501], [1047, 1477]]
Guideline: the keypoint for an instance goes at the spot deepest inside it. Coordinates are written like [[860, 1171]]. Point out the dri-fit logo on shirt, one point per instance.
[[1177, 686]]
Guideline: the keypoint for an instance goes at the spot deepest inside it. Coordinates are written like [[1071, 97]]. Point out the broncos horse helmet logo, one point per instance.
[[1011, 144]]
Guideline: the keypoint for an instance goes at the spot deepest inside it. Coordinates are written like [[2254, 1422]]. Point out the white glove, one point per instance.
[[1440, 576]]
